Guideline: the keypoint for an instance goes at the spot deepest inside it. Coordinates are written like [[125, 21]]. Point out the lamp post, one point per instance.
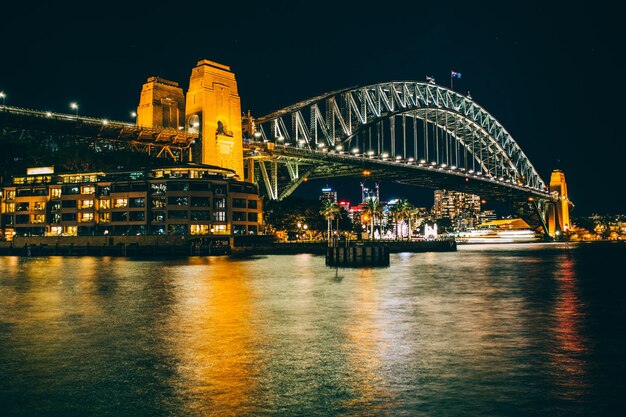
[[2, 96], [306, 227], [299, 227], [74, 106]]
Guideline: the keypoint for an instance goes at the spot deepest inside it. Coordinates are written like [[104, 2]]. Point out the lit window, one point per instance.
[[70, 231], [10, 207], [10, 195], [85, 204], [39, 206], [105, 204], [158, 188], [39, 218], [85, 217], [120, 203], [219, 203], [88, 189], [199, 229], [105, 217], [138, 202], [219, 228], [56, 230], [158, 202], [55, 193]]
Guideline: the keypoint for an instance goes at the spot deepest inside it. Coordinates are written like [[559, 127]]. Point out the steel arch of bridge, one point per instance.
[[407, 122]]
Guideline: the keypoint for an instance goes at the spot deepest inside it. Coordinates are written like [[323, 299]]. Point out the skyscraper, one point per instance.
[[452, 204], [328, 194]]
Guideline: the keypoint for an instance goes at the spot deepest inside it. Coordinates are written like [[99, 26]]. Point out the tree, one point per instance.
[[444, 225], [345, 222], [408, 210], [396, 214], [285, 214], [401, 211], [373, 209], [329, 210]]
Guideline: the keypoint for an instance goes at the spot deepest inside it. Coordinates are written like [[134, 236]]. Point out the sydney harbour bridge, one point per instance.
[[410, 132]]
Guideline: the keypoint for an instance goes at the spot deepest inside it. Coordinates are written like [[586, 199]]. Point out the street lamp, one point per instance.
[[133, 114], [2, 96], [74, 106]]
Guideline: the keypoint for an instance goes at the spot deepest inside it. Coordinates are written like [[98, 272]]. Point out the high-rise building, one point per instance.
[[328, 194], [369, 193], [452, 204]]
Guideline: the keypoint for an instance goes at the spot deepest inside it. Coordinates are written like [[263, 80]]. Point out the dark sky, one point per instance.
[[553, 75]]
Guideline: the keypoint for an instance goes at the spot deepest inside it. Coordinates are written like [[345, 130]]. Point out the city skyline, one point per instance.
[[530, 81]]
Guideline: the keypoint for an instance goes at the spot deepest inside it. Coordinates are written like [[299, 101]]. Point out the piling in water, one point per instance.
[[355, 255]]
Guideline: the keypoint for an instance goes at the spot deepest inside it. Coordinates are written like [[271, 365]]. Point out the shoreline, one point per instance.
[[177, 246]]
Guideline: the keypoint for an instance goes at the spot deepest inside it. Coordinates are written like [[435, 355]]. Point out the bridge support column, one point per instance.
[[250, 170], [558, 215], [271, 183], [213, 107], [541, 215]]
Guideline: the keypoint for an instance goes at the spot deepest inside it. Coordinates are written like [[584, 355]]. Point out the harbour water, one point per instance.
[[489, 330]]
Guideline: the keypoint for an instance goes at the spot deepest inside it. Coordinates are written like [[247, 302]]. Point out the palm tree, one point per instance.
[[372, 209], [408, 210], [396, 214], [329, 210], [338, 216]]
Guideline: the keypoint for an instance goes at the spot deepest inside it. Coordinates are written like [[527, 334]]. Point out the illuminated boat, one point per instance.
[[500, 231]]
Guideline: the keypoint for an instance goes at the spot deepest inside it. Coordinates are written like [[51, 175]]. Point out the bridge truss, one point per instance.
[[56, 129], [410, 132]]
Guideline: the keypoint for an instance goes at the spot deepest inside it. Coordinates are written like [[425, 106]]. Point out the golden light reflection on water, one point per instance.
[[364, 347], [213, 338], [286, 335]]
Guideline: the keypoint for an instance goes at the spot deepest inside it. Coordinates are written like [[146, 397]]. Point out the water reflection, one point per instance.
[[484, 331], [568, 357], [364, 348], [213, 338]]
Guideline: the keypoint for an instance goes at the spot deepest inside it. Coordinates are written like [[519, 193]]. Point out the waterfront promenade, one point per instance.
[[185, 246]]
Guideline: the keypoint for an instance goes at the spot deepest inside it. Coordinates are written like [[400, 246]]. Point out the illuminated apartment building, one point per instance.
[[189, 200], [451, 204]]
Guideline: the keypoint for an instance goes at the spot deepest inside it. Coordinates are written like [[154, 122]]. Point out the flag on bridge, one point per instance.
[[430, 79], [453, 75]]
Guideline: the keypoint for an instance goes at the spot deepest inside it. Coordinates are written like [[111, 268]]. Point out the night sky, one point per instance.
[[552, 75]]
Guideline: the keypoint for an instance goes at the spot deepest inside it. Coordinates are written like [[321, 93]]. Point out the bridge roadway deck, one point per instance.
[[335, 164], [92, 128]]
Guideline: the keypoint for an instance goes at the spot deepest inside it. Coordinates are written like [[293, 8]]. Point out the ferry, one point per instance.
[[500, 231]]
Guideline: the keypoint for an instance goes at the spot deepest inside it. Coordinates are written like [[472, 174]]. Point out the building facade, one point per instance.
[[451, 204], [328, 194], [183, 200]]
